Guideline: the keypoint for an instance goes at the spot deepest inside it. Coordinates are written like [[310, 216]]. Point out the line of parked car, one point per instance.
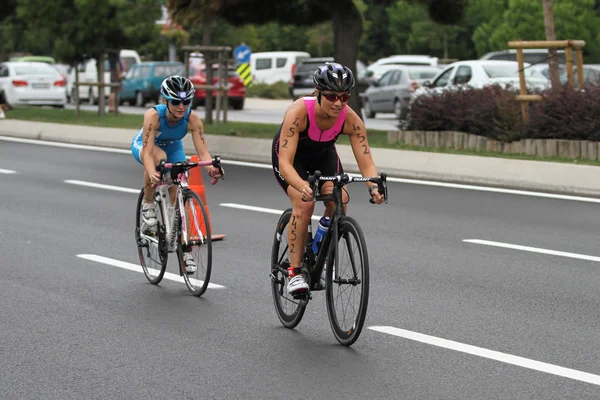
[[398, 80], [39, 80]]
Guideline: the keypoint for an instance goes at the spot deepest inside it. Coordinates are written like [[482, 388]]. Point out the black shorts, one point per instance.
[[328, 162]]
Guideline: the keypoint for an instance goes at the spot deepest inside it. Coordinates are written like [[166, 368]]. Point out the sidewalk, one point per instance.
[[562, 178]]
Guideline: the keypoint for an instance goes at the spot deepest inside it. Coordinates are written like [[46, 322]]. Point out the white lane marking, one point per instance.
[[65, 145], [7, 171], [533, 249], [259, 209], [390, 179], [491, 354], [136, 268], [101, 186], [496, 190]]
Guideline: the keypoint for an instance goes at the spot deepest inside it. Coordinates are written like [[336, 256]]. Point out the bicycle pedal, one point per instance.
[[304, 296]]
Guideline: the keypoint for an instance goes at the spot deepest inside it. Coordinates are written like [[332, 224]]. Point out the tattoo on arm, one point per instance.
[[361, 137], [292, 130], [147, 137], [285, 141], [200, 133]]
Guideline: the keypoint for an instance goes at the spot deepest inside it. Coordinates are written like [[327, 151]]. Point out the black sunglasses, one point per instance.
[[178, 102], [334, 97]]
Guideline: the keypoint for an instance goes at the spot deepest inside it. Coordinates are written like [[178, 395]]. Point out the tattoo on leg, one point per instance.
[[293, 232]]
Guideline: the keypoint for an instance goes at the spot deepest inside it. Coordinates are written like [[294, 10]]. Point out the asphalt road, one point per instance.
[[259, 111], [457, 320]]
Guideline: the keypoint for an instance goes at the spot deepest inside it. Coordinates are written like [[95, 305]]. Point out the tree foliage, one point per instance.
[[524, 20], [74, 29]]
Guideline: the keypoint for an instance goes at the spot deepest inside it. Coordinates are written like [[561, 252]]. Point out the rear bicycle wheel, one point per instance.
[[151, 243], [199, 243], [289, 310], [347, 287]]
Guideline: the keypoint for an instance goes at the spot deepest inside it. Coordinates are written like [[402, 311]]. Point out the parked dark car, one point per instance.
[[302, 83], [236, 95], [142, 81]]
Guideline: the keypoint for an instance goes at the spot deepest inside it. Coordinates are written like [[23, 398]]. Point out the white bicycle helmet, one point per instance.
[[177, 88]]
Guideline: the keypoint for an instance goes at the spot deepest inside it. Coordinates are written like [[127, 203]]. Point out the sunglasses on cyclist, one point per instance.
[[334, 97], [178, 102]]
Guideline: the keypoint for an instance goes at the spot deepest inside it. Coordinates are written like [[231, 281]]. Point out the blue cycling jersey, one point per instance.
[[168, 137]]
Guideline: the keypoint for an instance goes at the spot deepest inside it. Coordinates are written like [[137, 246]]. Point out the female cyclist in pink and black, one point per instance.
[[305, 142]]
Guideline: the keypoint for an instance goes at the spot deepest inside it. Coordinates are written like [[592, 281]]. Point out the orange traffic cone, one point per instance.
[[197, 185]]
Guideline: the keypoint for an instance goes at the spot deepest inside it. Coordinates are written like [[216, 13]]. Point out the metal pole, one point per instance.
[[100, 66], [219, 93], [76, 89], [186, 65], [208, 99], [226, 105]]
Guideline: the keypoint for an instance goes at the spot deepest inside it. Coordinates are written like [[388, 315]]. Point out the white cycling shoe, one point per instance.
[[190, 264]]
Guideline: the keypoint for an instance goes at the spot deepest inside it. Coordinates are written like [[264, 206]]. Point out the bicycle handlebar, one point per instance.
[[343, 179], [182, 166]]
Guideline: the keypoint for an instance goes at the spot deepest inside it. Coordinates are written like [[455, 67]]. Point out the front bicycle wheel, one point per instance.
[[289, 310], [347, 282], [152, 244], [199, 244]]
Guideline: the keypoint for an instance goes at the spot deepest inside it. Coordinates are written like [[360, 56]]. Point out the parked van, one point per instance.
[[88, 73], [275, 66]]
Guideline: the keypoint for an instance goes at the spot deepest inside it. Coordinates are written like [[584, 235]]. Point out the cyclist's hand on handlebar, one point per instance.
[[307, 193], [376, 196], [214, 172]]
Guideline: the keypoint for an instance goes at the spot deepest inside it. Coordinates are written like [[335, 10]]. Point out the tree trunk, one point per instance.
[[550, 35], [347, 29]]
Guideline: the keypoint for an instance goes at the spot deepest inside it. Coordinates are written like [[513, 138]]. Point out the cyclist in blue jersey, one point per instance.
[[305, 142], [161, 138]]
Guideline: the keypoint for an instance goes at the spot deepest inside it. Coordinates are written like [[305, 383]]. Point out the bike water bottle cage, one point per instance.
[[293, 271]]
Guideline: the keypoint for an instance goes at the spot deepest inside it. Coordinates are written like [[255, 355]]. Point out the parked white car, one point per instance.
[[480, 73], [32, 83], [405, 60]]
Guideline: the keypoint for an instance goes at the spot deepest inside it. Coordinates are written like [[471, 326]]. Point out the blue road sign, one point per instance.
[[242, 54]]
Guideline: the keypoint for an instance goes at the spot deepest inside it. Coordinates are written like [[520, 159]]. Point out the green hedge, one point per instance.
[[493, 112], [279, 90]]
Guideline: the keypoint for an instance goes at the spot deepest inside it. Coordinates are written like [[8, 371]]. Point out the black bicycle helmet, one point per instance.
[[335, 77], [177, 88]]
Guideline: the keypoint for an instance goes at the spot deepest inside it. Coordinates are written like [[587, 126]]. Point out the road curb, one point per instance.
[[552, 177]]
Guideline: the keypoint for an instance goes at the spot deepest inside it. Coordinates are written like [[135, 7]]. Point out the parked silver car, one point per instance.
[[392, 92]]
